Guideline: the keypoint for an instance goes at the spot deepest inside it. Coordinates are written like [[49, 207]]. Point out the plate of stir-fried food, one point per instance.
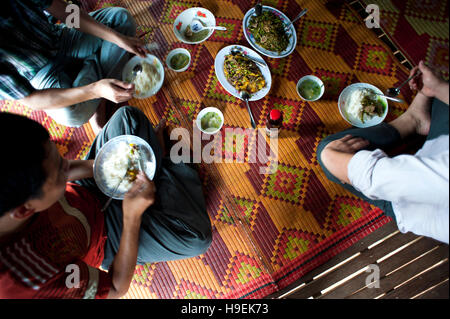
[[267, 32], [237, 72]]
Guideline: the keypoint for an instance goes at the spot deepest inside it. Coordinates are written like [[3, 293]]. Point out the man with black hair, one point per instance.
[[53, 236], [70, 72]]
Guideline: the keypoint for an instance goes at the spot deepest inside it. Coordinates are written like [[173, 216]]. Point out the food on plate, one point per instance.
[[195, 36], [210, 122], [309, 89], [268, 31], [123, 160], [243, 73], [147, 79], [179, 61], [364, 104]]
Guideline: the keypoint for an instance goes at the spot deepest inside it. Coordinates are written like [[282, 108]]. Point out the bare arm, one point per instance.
[[111, 89], [91, 26], [136, 201], [80, 169]]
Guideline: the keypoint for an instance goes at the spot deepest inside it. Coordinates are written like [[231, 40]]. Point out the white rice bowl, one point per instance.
[[116, 165], [350, 106], [146, 80]]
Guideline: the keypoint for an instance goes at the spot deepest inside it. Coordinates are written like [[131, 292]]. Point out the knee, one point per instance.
[[123, 21], [201, 245], [322, 144]]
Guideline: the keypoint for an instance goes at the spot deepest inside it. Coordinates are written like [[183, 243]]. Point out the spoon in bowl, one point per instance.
[[197, 26], [245, 96], [237, 50], [258, 9], [301, 14], [396, 91], [390, 98]]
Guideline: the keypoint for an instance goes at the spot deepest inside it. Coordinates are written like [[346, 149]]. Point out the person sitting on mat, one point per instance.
[[69, 72], [412, 189], [54, 238]]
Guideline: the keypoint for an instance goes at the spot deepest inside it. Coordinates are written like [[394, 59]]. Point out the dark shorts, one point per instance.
[[177, 226], [385, 136]]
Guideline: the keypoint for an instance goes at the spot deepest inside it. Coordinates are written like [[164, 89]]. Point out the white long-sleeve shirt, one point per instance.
[[417, 185]]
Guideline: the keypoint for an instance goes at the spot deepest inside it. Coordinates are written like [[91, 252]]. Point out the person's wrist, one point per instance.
[[94, 90]]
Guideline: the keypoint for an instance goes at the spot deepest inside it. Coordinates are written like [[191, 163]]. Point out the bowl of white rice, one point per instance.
[[361, 107], [120, 157], [147, 82]]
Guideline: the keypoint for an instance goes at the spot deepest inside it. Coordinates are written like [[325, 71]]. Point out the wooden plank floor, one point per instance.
[[407, 266]]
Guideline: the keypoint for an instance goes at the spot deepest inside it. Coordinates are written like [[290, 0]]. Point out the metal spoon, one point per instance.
[[197, 26], [237, 50], [245, 96], [136, 70], [301, 14], [396, 91], [390, 98], [258, 9]]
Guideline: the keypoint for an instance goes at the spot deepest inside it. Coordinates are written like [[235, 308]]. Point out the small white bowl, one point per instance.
[[185, 18], [315, 79], [176, 51], [203, 113], [355, 121], [151, 59]]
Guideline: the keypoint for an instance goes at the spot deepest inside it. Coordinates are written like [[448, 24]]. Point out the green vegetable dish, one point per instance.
[[210, 122], [372, 105], [179, 61], [309, 89], [268, 31]]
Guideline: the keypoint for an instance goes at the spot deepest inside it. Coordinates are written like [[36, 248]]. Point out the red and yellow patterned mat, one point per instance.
[[268, 230], [420, 28]]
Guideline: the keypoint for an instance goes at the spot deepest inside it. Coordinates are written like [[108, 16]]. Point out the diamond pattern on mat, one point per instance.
[[189, 290], [345, 210], [173, 9], [291, 244], [375, 59], [234, 28], [288, 184], [318, 35], [334, 82], [437, 56], [247, 208], [243, 269]]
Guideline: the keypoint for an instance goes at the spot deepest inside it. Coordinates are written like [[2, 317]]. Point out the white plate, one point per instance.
[[218, 65], [292, 33], [185, 18], [110, 146], [151, 59], [356, 121]]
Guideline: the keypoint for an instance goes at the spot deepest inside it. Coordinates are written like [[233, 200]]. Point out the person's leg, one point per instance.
[[381, 136], [439, 119], [101, 59], [177, 225]]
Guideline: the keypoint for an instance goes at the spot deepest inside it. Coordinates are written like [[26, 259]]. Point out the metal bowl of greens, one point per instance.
[[266, 33]]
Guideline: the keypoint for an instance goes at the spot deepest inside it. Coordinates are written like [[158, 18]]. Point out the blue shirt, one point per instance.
[[28, 42]]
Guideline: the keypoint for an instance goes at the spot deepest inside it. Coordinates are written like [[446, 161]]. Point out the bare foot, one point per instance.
[[417, 119], [420, 113]]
